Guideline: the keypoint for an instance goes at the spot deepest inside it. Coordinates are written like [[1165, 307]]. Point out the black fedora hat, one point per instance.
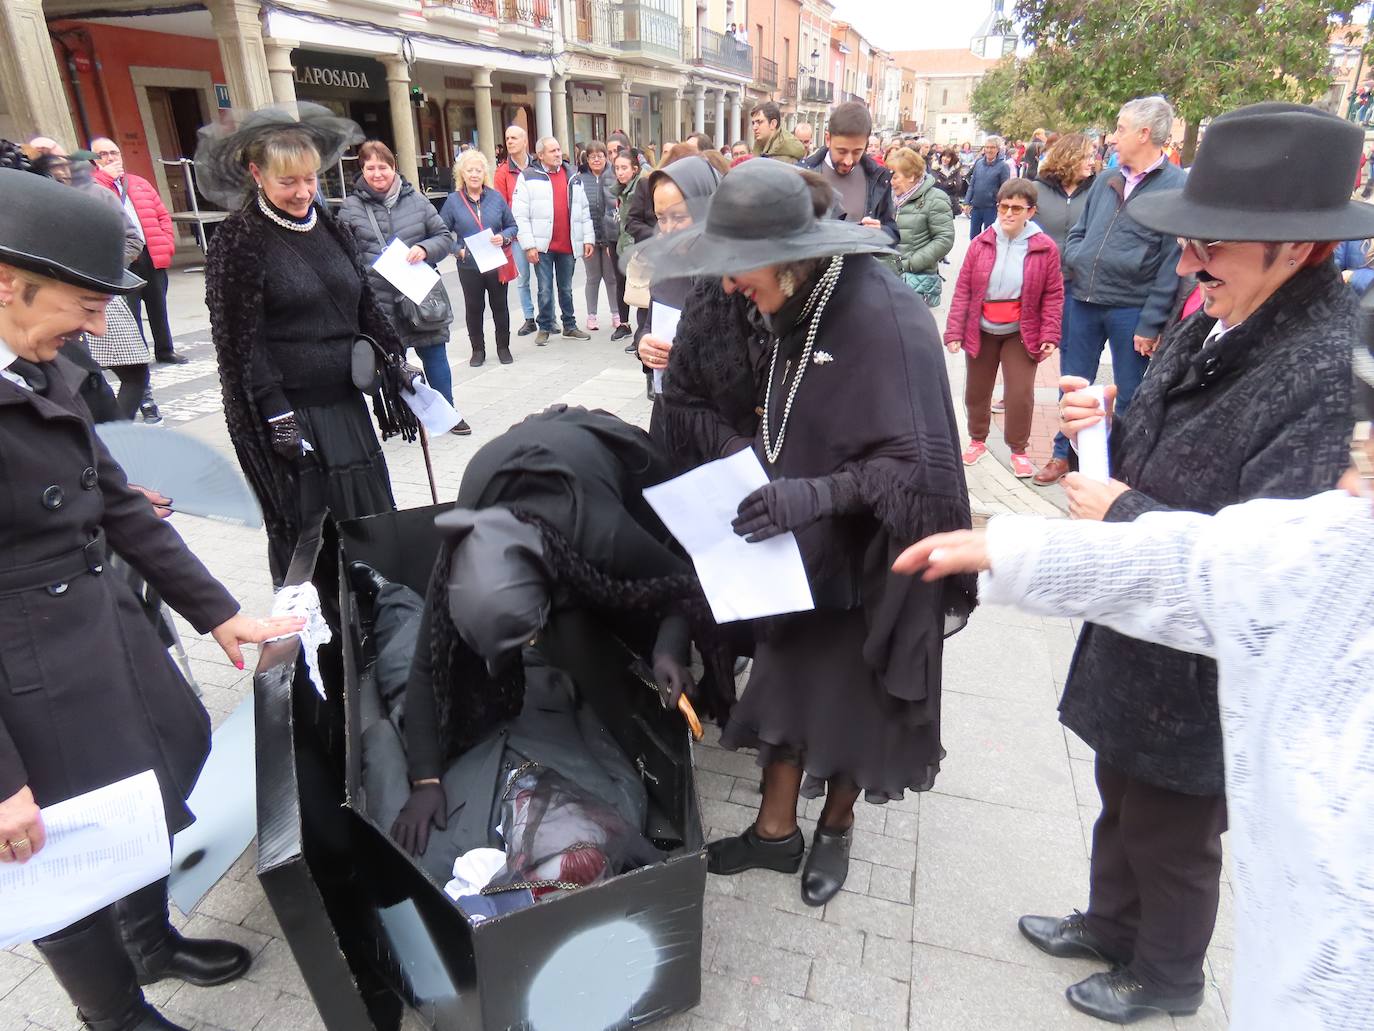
[[59, 232], [1272, 171], [761, 214]]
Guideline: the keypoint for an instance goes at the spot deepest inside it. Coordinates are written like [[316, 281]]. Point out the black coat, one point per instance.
[[1269, 417], [87, 693], [878, 200]]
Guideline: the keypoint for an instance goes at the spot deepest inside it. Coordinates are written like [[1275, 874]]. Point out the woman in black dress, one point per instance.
[[289, 302], [859, 440]]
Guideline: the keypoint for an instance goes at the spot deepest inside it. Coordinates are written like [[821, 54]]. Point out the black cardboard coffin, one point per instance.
[[370, 931]]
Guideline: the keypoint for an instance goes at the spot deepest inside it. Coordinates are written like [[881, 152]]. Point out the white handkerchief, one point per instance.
[[304, 601]]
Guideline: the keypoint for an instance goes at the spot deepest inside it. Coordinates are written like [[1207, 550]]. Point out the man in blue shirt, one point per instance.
[[988, 174]]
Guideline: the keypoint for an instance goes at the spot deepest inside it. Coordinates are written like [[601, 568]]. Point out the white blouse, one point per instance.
[[1281, 594]]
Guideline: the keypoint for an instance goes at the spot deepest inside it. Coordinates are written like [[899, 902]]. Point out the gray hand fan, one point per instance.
[[199, 480]]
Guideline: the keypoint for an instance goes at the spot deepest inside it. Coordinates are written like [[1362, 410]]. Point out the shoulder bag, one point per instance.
[[434, 313]]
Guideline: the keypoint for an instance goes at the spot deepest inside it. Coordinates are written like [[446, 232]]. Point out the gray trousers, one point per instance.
[[601, 269]]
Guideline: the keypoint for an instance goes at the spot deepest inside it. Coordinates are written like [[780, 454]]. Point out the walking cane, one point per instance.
[[429, 465]]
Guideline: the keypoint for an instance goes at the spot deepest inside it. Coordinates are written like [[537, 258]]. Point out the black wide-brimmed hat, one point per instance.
[[1274, 172], [59, 232], [761, 214], [222, 151]]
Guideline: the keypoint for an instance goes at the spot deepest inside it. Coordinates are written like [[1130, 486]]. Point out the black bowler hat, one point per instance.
[[761, 214], [1273, 172], [60, 232]]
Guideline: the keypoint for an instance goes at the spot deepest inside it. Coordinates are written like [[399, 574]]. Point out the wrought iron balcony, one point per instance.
[[482, 8], [790, 92], [597, 22], [535, 13], [717, 50], [766, 74], [650, 27], [818, 91]]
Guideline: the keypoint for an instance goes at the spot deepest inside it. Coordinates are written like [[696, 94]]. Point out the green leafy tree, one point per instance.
[[1205, 56], [1004, 103]]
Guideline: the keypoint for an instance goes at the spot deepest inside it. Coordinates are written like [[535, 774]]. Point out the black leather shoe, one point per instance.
[[529, 327], [1118, 997], [748, 851], [199, 961], [1066, 939], [827, 866], [367, 582], [172, 359]]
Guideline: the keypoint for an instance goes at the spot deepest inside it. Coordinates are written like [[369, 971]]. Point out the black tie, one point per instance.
[[34, 375]]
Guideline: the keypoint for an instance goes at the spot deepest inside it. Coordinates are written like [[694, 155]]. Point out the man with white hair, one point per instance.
[[555, 226], [1119, 277]]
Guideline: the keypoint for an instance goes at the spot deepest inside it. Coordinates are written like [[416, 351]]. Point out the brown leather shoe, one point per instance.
[[1053, 472]]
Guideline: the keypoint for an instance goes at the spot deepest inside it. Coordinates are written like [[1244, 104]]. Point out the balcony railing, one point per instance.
[[766, 74], [536, 13], [818, 91], [484, 8], [650, 27], [724, 52], [790, 91], [596, 22]]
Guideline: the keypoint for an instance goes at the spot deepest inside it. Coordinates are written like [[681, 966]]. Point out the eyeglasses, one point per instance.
[[1197, 248], [1012, 209], [107, 153]]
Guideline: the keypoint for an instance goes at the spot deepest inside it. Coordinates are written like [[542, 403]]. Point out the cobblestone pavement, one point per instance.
[[924, 934]]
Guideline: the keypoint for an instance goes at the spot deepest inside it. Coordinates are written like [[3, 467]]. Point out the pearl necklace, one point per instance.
[[815, 306], [283, 221]]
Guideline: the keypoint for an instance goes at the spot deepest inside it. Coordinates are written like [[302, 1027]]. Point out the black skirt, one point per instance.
[[345, 474], [813, 701]]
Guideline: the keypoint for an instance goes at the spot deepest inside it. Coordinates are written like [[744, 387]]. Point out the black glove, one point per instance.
[[672, 675], [780, 507], [426, 805], [286, 436]]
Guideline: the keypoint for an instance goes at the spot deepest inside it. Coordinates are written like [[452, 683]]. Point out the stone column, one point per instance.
[[486, 123], [699, 122], [30, 79], [621, 111], [673, 131], [280, 70], [543, 115], [720, 116], [239, 31], [402, 118], [560, 113], [736, 120]]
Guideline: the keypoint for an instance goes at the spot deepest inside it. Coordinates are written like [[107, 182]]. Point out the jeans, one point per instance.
[[563, 266], [155, 296], [434, 357], [1086, 326], [522, 281], [979, 219]]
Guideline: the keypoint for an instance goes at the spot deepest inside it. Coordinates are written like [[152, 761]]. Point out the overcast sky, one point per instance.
[[914, 24]]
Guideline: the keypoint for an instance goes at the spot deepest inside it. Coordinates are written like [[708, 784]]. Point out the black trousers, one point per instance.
[[478, 288], [1155, 879], [620, 302], [155, 296], [133, 384]]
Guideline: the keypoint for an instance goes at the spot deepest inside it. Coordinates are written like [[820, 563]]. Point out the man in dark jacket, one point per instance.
[[867, 197], [985, 178], [1121, 276]]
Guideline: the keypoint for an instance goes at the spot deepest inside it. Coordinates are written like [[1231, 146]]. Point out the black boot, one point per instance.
[[503, 348], [93, 969], [479, 355], [827, 866], [748, 851], [158, 951], [367, 582]]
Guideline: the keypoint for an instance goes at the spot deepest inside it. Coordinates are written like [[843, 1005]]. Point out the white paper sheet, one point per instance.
[[101, 846], [1092, 444], [415, 281], [663, 320], [430, 407], [487, 255], [741, 580]]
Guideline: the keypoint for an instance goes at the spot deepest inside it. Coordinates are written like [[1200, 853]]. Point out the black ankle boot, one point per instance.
[[748, 851], [503, 349], [479, 357], [93, 969], [827, 866], [158, 951], [367, 582]]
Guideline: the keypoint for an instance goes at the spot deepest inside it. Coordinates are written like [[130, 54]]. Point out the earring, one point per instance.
[[787, 282], [1292, 262]]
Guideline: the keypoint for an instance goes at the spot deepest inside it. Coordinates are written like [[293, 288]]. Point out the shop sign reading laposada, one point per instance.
[[323, 74], [312, 75]]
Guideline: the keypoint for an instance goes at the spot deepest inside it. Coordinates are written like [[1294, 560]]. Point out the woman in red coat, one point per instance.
[[1006, 312]]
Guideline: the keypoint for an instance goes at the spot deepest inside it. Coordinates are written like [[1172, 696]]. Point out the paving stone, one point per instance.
[[887, 883], [901, 825], [860, 873], [726, 816], [1210, 1017], [739, 918], [715, 785], [722, 1001], [885, 851], [236, 1006], [263, 920], [975, 662], [774, 1010], [209, 927], [1222, 963], [887, 956], [291, 1014], [957, 990], [763, 965], [38, 999], [720, 760], [775, 890], [231, 900], [275, 967], [854, 989], [1084, 783], [890, 919], [13, 969]]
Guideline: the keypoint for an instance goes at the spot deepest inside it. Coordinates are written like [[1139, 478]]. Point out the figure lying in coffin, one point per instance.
[[550, 525]]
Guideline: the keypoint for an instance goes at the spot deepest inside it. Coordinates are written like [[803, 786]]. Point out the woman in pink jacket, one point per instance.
[[1006, 312]]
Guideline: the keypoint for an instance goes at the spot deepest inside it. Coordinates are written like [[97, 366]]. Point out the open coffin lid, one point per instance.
[[369, 929]]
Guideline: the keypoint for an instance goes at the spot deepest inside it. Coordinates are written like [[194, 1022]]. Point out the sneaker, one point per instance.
[[1021, 467], [462, 429], [621, 331], [999, 406], [591, 323], [576, 334], [529, 327], [976, 449], [615, 321], [542, 337], [148, 409]]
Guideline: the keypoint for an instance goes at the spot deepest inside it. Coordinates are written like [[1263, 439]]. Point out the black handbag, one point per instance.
[[435, 312]]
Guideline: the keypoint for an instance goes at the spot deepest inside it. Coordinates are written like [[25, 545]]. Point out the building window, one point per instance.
[[944, 98]]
